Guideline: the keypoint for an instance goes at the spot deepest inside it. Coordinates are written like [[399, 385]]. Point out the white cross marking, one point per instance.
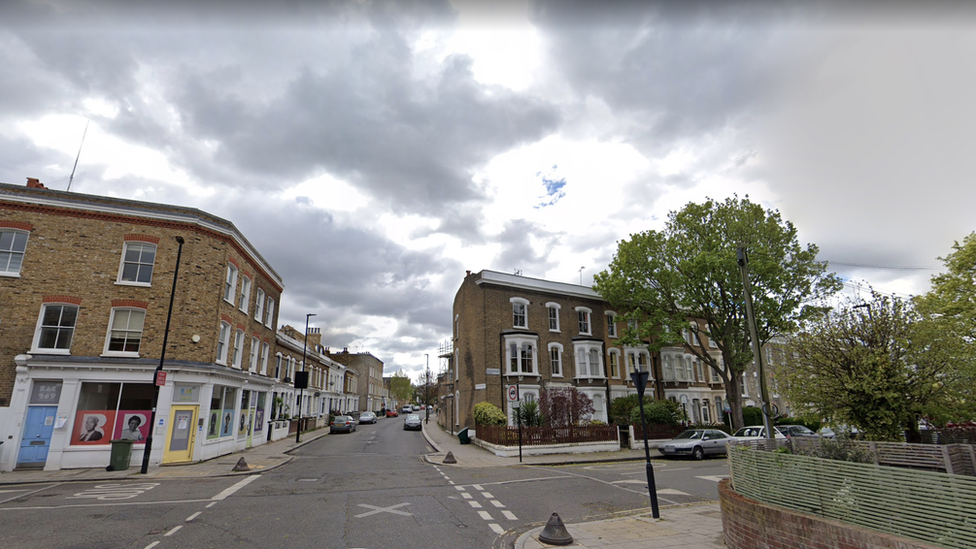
[[390, 509]]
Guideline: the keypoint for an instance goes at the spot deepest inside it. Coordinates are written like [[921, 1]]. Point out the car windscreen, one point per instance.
[[689, 435]]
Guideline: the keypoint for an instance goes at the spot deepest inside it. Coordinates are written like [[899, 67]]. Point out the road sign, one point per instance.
[[513, 393], [161, 378]]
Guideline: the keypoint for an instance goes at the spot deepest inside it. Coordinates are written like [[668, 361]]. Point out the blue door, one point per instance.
[[37, 436]]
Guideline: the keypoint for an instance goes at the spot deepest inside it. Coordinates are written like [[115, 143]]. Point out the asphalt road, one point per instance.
[[369, 489]]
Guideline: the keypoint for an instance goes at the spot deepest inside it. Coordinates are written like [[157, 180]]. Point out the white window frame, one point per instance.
[[252, 361], [668, 368], [689, 371], [41, 327], [521, 343], [238, 349], [259, 305], [111, 324], [585, 324], [700, 370], [270, 319], [520, 312], [265, 349], [552, 310], [556, 359], [613, 364], [223, 343], [13, 251], [744, 387], [245, 296], [230, 284], [278, 362], [584, 352], [611, 324], [139, 265]]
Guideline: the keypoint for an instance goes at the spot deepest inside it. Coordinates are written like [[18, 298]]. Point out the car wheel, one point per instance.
[[698, 454]]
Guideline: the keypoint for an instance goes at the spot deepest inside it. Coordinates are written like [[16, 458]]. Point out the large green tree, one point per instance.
[[689, 271], [880, 366], [953, 293], [400, 387]]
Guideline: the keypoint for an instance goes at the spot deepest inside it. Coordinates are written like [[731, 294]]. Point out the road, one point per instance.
[[370, 489]]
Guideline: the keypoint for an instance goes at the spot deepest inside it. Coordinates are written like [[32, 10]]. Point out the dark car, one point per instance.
[[696, 444], [367, 417], [342, 424], [790, 431], [412, 423]]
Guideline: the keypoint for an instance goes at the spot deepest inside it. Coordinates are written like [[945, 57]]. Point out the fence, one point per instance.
[[927, 506], [957, 459], [537, 436]]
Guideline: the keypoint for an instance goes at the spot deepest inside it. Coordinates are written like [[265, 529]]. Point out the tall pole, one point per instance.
[[743, 261], [162, 357], [640, 382], [298, 432], [427, 390]]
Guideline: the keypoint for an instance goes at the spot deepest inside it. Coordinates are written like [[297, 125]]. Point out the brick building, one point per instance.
[[515, 336], [85, 288], [370, 372]]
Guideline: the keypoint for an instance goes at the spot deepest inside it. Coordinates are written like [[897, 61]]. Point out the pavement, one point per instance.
[[694, 526]]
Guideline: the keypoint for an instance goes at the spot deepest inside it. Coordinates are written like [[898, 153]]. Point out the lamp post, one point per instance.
[[767, 407], [162, 357], [640, 381], [427, 390], [302, 384]]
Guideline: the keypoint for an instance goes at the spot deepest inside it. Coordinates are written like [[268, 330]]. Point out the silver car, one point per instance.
[[412, 422], [695, 443]]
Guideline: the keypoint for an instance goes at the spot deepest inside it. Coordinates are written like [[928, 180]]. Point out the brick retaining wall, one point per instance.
[[749, 524]]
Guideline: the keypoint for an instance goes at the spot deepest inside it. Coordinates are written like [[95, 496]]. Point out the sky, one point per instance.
[[375, 151]]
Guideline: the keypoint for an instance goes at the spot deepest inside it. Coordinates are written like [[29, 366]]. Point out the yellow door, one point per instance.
[[179, 440]]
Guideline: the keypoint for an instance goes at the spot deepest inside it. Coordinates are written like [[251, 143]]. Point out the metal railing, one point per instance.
[[936, 508]]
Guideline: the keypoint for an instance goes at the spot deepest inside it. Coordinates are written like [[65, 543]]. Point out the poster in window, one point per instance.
[[92, 427], [134, 425], [227, 423], [213, 431], [258, 420]]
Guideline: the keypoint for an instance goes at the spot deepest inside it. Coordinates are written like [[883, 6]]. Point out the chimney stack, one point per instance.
[[34, 183]]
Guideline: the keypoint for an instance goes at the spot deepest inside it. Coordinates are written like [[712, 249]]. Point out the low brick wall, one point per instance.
[[749, 524]]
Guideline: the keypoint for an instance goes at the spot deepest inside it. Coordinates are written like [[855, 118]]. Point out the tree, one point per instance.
[[879, 366], [953, 293], [670, 280], [400, 388], [564, 406]]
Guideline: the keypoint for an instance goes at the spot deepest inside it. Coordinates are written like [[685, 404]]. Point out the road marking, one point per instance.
[[308, 480], [106, 492], [485, 515], [486, 495], [670, 492], [714, 478], [509, 515], [474, 504], [630, 481], [11, 491], [390, 509], [477, 487], [496, 528], [151, 545], [193, 516], [173, 531], [230, 491], [460, 488], [466, 495], [497, 503]]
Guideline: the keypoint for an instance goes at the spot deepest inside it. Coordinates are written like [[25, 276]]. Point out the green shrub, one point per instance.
[[486, 413], [840, 449], [528, 415], [622, 408], [659, 412], [752, 415]]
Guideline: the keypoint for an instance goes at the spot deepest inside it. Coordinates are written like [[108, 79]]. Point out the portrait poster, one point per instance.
[[258, 420], [227, 422], [242, 426], [93, 427], [213, 426], [133, 425]]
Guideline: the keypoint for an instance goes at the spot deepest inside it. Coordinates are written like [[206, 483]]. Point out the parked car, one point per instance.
[[790, 431], [416, 408], [756, 432], [392, 413], [412, 423], [406, 409], [367, 417], [696, 443], [342, 424]]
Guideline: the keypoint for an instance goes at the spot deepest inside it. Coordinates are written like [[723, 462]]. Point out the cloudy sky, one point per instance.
[[374, 151]]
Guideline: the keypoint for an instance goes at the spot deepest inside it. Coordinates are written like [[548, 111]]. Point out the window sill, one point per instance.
[[133, 283], [522, 374], [9, 275], [598, 378], [119, 354], [60, 352], [557, 331]]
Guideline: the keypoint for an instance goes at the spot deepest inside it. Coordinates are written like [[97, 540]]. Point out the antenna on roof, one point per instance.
[[518, 272], [75, 167]]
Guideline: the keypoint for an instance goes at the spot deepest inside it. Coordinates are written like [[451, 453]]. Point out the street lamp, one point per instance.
[[427, 390], [302, 381], [162, 356], [640, 381]]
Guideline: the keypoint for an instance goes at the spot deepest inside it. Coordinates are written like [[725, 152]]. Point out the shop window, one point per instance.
[[108, 411], [221, 423]]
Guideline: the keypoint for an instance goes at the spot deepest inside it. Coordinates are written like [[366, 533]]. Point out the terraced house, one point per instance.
[[515, 336], [85, 288]]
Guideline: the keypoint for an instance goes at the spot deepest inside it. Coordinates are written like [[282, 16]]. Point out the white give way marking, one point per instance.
[[390, 509]]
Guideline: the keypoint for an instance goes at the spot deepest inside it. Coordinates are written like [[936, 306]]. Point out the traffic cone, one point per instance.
[[449, 458], [555, 532], [241, 466]]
